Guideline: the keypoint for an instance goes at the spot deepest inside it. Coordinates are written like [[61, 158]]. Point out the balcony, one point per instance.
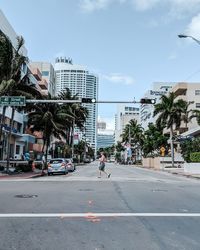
[[43, 84], [37, 74], [180, 89]]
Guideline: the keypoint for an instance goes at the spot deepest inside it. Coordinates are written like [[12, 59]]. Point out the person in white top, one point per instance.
[[102, 165]]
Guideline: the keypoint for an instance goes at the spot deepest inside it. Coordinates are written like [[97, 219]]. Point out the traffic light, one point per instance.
[[88, 100], [148, 101]]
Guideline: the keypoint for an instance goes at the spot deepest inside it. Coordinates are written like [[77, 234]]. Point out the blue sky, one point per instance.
[[129, 43]]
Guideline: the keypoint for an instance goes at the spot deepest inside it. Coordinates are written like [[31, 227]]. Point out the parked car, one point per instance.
[[57, 165], [70, 165], [86, 160]]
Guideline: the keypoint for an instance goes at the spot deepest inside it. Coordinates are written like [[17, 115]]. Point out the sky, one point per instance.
[[129, 44]]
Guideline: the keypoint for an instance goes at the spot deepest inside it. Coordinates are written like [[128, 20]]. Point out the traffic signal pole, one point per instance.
[[149, 101]]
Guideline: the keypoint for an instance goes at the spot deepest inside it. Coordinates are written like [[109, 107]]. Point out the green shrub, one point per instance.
[[188, 147], [195, 157]]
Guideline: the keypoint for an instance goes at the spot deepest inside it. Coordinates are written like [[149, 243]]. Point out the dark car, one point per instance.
[[57, 165]]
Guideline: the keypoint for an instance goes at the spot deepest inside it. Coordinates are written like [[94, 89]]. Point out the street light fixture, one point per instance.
[[186, 36]]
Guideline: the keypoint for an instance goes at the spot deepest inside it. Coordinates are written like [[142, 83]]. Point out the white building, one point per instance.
[[80, 81], [125, 113], [146, 110], [8, 30]]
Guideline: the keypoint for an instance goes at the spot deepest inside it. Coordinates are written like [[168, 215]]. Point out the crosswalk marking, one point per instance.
[[95, 215]]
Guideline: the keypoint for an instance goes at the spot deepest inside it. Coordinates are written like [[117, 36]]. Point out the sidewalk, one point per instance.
[[181, 172], [27, 175], [177, 171]]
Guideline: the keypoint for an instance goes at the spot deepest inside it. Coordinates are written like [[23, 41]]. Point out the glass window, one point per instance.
[[45, 73], [197, 92], [17, 151], [197, 105]]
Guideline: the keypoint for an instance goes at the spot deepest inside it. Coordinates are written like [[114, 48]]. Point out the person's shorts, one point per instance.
[[102, 166]]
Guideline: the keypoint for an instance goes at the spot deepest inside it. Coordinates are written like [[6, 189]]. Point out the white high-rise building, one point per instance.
[[125, 113], [146, 110], [80, 81]]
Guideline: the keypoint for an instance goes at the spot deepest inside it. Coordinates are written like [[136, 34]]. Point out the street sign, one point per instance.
[[12, 101], [162, 150]]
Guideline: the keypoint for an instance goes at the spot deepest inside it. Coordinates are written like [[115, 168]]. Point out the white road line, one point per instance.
[[95, 215]]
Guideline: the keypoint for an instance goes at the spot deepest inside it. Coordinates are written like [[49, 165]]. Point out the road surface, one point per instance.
[[134, 209]]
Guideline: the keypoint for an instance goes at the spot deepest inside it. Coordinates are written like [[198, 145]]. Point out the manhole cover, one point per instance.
[[26, 196], [159, 190], [86, 190]]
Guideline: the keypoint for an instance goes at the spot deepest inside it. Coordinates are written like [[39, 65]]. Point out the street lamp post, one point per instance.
[[186, 36]]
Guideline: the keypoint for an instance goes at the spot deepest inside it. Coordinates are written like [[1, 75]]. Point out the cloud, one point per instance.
[[176, 8], [143, 5], [193, 29], [119, 78], [182, 8], [92, 5], [173, 56]]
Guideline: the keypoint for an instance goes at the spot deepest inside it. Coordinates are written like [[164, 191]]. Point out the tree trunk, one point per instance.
[[9, 139], [172, 145], [2, 122]]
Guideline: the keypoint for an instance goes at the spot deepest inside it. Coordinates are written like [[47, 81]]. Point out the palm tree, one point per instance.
[[77, 114], [11, 80], [133, 134], [170, 113], [49, 119]]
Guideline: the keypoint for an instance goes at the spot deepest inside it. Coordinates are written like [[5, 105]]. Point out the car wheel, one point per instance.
[[49, 174]]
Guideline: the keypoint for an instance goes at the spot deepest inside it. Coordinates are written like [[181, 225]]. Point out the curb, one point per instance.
[[20, 176], [175, 173]]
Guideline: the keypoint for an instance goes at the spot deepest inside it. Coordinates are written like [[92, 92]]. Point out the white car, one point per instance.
[[57, 165], [70, 165]]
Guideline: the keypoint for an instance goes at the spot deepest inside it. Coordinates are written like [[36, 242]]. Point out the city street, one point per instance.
[[134, 209]]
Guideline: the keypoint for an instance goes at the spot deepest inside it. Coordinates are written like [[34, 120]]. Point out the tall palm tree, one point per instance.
[[133, 133], [11, 80], [77, 114], [49, 119], [169, 115]]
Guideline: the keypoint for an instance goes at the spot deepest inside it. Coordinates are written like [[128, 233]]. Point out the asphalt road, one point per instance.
[[134, 209]]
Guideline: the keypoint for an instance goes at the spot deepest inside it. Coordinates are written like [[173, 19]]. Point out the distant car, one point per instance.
[[70, 165], [86, 160], [57, 165], [112, 159]]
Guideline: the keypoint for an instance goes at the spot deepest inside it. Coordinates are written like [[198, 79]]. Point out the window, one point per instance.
[[17, 151], [197, 105], [197, 92], [45, 73]]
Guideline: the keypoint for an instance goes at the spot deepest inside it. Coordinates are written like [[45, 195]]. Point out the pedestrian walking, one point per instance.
[[102, 165]]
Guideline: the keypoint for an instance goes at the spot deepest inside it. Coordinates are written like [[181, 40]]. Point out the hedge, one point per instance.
[[195, 157]]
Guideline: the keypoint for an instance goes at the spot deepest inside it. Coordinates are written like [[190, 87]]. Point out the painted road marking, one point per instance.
[[95, 215]]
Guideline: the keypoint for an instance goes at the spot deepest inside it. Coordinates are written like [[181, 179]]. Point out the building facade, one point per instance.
[[47, 77], [189, 92], [146, 110], [105, 137], [125, 113], [81, 82]]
